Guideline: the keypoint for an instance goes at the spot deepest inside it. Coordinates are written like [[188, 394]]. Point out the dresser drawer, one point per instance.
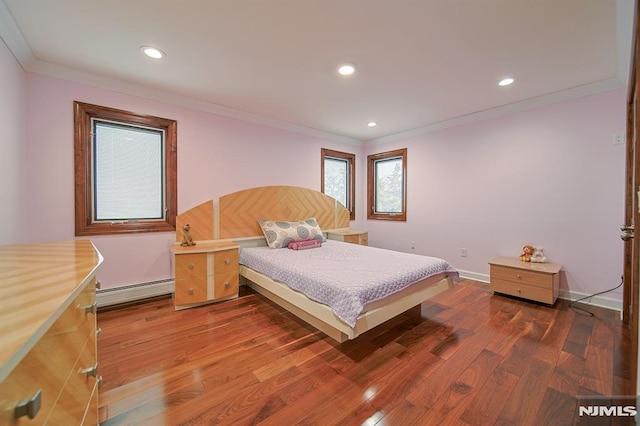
[[225, 261], [531, 278], [225, 284], [50, 363], [76, 395], [523, 290], [191, 265]]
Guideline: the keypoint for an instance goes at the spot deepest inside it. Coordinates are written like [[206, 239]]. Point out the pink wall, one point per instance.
[[12, 116], [216, 156], [548, 176]]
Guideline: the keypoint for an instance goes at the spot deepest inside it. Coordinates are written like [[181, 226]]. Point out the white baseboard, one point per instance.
[[130, 293], [603, 302], [483, 278]]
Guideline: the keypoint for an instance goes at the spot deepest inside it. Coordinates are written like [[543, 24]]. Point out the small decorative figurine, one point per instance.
[[527, 252], [186, 236], [538, 255]]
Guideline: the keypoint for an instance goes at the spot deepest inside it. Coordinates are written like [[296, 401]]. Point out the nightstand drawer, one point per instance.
[[191, 265], [225, 284], [523, 290], [522, 276], [192, 290], [225, 261]]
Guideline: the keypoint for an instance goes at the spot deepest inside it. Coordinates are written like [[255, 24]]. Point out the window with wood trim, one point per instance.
[[338, 179], [125, 171], [387, 185]]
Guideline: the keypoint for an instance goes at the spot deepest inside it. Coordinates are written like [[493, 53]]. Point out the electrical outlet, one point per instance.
[[463, 252], [618, 139]]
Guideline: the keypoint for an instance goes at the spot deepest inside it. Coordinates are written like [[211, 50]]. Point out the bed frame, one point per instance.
[[235, 218]]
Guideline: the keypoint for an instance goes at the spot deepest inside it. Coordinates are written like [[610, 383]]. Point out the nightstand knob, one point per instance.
[[518, 276], [191, 266], [518, 290], [191, 291], [227, 261], [227, 285]]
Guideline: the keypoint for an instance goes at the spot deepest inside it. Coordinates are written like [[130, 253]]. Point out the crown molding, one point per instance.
[[548, 99]]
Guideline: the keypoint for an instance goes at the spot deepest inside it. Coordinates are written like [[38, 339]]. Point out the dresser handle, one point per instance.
[[227, 262], [227, 284], [518, 290], [191, 266], [99, 332], [98, 284], [90, 371], [191, 291], [29, 407], [518, 276], [91, 309]]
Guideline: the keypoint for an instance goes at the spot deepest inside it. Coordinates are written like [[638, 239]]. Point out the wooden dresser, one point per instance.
[[48, 357], [349, 235], [534, 281], [205, 273]]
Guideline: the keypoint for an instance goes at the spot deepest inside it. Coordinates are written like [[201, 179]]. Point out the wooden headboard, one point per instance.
[[236, 215]]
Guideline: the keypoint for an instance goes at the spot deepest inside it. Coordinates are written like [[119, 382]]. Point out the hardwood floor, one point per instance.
[[464, 357]]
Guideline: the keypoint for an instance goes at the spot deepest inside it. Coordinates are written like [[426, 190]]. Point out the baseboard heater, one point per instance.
[[133, 292]]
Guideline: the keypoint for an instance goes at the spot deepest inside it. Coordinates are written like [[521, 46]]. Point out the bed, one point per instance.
[[240, 216]]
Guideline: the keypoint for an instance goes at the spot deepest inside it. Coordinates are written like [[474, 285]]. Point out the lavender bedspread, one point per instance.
[[344, 276]]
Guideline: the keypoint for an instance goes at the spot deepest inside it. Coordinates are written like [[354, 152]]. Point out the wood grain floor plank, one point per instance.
[[525, 400], [567, 374], [557, 408], [487, 405]]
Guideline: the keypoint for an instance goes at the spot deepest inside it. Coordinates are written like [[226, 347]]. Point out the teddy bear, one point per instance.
[[538, 255], [186, 236], [527, 252]]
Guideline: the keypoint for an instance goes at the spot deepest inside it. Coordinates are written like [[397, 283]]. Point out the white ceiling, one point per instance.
[[421, 64]]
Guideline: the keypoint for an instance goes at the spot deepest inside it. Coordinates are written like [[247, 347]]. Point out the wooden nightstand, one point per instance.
[[533, 281], [348, 235], [205, 273]]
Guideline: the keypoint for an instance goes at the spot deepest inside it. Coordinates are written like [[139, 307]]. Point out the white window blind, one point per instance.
[[128, 172]]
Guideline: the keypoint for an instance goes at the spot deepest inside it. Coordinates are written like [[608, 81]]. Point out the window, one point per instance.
[[387, 185], [339, 177], [125, 171]]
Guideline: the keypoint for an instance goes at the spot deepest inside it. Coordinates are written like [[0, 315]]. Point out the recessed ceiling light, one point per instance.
[[346, 69], [507, 81], [372, 124], [153, 52]]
